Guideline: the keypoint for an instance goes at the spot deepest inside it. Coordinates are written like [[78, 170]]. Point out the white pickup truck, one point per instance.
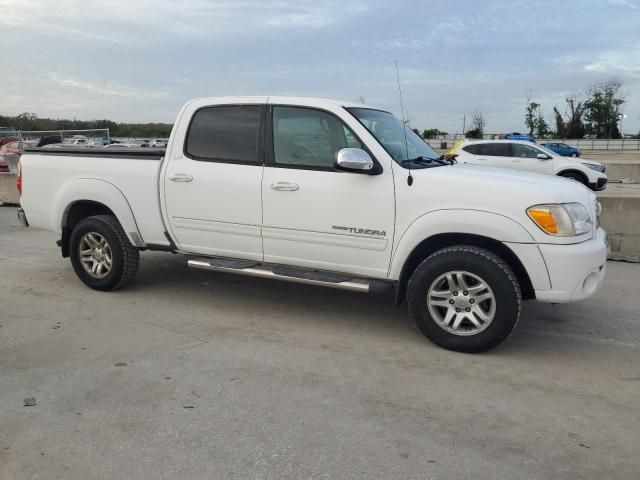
[[325, 193]]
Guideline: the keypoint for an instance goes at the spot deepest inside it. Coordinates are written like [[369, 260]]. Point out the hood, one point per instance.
[[586, 161], [509, 181], [498, 189], [503, 191]]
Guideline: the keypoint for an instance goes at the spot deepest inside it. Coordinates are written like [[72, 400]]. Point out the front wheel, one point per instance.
[[574, 154], [464, 298], [101, 254]]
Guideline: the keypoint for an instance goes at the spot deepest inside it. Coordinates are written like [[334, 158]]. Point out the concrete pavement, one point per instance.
[[192, 375]]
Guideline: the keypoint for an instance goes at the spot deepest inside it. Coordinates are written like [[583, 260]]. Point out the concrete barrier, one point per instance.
[[620, 170], [621, 220], [8, 189]]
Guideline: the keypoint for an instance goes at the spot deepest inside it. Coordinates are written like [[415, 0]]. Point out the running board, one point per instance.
[[288, 274]]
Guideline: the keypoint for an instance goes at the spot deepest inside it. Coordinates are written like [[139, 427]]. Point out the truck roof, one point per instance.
[[283, 99]]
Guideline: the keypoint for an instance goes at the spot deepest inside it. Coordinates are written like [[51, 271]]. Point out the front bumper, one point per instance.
[[576, 271], [22, 217], [600, 184]]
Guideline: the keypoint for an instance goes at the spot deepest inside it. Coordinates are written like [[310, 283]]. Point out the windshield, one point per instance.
[[390, 132]]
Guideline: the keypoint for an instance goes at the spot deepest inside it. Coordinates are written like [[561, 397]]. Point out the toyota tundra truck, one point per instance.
[[324, 193]]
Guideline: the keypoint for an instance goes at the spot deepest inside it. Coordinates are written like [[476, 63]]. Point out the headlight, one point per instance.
[[565, 220], [594, 166]]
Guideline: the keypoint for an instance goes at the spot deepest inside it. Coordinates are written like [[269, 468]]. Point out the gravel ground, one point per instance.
[[194, 375]]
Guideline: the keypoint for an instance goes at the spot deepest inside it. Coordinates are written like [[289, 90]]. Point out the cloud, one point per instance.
[[626, 3], [624, 62], [139, 60], [108, 90]]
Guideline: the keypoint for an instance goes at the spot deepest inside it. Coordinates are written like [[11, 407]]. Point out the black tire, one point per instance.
[[488, 267], [575, 176], [574, 155], [124, 257]]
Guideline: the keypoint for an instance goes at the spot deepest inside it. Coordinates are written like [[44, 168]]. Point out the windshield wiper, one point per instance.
[[426, 160]]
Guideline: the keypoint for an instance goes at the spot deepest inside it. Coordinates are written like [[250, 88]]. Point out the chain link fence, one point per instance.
[[582, 143]]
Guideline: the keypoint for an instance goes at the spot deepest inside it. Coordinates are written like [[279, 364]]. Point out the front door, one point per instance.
[[213, 179], [525, 157], [314, 215]]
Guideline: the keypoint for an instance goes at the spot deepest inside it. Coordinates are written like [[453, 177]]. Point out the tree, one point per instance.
[[474, 133], [534, 120], [432, 133], [478, 121], [604, 108], [532, 115], [572, 126], [30, 121], [542, 127]]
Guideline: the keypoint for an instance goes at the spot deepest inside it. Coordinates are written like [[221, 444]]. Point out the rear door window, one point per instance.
[[472, 149], [228, 134], [494, 149]]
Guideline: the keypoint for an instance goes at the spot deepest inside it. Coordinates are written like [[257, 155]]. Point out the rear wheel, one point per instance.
[[101, 254], [574, 176], [464, 298]]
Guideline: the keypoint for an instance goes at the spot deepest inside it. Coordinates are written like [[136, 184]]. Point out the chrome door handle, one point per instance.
[[180, 177], [285, 186]]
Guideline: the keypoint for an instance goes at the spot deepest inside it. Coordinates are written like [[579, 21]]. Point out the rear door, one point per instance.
[[314, 215], [494, 153], [212, 180]]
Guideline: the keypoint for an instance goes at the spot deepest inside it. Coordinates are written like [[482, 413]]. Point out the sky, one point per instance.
[[140, 60]]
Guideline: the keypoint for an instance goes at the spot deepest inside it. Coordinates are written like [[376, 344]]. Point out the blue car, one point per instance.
[[520, 136], [563, 149]]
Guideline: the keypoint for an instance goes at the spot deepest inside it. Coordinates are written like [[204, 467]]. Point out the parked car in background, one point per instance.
[[8, 132], [9, 154], [563, 149], [521, 155], [330, 194], [519, 136]]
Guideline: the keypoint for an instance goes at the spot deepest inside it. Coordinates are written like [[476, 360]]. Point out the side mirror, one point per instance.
[[542, 156], [354, 160]]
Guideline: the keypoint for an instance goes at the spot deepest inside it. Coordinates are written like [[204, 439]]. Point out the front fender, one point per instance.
[[96, 190], [473, 222]]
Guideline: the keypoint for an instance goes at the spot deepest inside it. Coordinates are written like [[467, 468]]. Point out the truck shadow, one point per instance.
[[225, 304]]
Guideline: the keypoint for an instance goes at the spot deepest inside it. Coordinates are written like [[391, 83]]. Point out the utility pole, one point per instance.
[[464, 121]]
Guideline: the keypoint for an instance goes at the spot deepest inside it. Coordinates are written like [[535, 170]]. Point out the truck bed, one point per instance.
[[50, 172]]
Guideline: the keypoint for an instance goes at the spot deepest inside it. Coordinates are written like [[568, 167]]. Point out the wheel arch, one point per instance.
[[82, 198], [583, 176], [439, 241]]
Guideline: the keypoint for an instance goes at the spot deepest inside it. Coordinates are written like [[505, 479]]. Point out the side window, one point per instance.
[[309, 138], [472, 149], [225, 134], [494, 149], [524, 151]]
